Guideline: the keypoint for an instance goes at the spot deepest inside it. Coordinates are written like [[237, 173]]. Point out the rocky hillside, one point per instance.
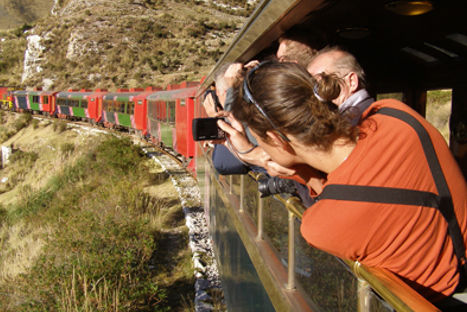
[[120, 43]]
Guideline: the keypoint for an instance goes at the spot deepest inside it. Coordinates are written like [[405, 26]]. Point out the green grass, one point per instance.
[[102, 249]]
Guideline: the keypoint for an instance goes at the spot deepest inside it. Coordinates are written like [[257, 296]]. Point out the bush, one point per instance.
[[22, 122], [23, 158], [35, 123], [67, 148], [59, 125]]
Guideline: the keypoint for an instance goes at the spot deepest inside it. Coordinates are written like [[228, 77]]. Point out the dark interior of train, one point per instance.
[[404, 46], [397, 46]]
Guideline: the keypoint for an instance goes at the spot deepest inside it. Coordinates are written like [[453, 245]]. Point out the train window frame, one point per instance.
[[131, 108], [171, 108], [107, 105], [45, 100], [84, 103], [61, 102], [35, 99]]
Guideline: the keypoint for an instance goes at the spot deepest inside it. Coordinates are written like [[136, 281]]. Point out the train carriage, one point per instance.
[[141, 109], [47, 102], [73, 104], [118, 108], [95, 105], [407, 48], [166, 109], [6, 97], [21, 100]]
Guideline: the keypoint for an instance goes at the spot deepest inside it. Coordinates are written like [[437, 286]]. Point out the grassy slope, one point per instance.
[[86, 224]]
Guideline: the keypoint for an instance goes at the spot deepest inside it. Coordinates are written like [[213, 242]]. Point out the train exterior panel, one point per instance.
[[161, 118], [95, 105], [34, 100], [47, 102], [118, 109], [169, 116], [73, 104], [21, 100], [6, 97], [141, 109]]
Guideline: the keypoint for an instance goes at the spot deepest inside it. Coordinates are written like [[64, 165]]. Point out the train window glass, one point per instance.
[[35, 99], [162, 111], [182, 102], [84, 103], [131, 108], [61, 102], [119, 106], [152, 109], [171, 111], [438, 110], [45, 100], [124, 109], [394, 95], [108, 105]]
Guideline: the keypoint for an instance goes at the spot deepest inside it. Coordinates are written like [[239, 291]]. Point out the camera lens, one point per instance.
[[275, 185]]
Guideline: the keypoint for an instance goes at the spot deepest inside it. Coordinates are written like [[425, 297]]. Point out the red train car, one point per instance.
[[169, 117], [141, 109], [95, 104]]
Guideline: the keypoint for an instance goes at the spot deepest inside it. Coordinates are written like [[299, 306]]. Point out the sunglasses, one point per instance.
[[248, 97]]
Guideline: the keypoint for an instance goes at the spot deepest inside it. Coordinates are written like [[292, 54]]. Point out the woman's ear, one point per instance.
[[276, 140]]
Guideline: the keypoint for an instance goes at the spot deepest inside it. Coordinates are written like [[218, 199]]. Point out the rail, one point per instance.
[[391, 288]]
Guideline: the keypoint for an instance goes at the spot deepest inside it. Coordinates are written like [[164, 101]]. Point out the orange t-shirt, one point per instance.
[[411, 241]]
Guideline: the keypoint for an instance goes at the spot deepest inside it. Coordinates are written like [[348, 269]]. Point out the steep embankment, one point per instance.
[[121, 43], [87, 223]]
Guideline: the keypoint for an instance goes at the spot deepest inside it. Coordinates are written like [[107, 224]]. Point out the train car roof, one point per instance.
[[20, 92], [73, 95], [427, 50], [121, 95], [171, 95]]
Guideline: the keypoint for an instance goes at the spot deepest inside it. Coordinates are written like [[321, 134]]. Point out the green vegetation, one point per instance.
[[95, 236], [438, 110]]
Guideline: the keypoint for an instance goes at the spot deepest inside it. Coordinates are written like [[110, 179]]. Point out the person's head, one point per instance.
[[292, 113], [221, 85], [297, 46], [333, 60]]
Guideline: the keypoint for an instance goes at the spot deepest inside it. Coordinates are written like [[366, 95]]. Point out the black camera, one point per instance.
[[274, 185], [207, 129]]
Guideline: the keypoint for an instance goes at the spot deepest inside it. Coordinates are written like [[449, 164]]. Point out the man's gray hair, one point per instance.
[[346, 63]]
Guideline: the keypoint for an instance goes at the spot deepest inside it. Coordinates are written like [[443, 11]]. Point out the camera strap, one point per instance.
[[387, 195]]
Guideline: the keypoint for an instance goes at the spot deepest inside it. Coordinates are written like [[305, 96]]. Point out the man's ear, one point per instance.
[[353, 82]]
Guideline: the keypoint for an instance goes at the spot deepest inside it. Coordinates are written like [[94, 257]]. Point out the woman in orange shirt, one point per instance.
[[384, 203]]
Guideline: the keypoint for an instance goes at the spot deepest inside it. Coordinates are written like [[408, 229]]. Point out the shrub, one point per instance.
[[59, 125], [23, 158], [67, 148], [22, 122], [35, 123]]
